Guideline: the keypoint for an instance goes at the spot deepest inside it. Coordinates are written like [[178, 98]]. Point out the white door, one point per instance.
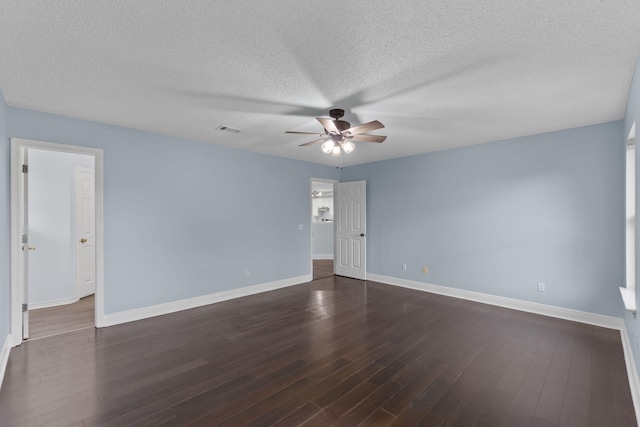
[[23, 195], [350, 224], [85, 232]]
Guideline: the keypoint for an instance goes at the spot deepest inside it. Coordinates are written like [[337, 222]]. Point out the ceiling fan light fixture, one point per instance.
[[348, 146], [328, 146], [339, 133]]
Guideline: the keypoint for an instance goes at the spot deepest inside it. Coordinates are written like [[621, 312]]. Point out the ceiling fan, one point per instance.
[[339, 134]]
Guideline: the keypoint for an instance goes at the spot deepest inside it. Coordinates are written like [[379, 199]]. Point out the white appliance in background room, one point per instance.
[[322, 219]]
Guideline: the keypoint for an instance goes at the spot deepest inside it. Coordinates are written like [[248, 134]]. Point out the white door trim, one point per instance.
[[18, 145]]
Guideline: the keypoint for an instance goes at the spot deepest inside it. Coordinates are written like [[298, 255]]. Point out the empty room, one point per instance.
[[319, 213]]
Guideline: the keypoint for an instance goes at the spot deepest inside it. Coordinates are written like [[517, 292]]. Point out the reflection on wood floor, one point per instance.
[[45, 322], [322, 268]]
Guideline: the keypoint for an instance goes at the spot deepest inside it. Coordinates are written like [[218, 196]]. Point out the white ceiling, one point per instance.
[[438, 74]]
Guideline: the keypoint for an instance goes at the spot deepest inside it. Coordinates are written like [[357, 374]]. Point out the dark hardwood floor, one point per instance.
[[322, 268], [45, 322], [331, 352]]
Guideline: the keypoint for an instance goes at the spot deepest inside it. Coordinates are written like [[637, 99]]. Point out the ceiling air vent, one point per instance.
[[229, 129]]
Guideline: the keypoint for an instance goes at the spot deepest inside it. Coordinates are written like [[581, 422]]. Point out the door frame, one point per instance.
[[330, 181], [18, 147]]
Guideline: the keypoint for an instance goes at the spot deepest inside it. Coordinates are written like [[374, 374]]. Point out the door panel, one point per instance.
[[85, 233], [356, 218], [344, 213], [350, 226], [343, 253], [357, 251]]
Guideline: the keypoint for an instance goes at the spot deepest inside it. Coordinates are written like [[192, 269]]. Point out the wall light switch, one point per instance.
[[541, 287]]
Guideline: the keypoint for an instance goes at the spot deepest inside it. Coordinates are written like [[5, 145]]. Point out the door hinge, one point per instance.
[[25, 168], [24, 238], [24, 308]]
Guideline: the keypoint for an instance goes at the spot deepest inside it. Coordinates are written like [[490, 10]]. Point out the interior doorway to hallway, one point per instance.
[[56, 231], [322, 231], [61, 232]]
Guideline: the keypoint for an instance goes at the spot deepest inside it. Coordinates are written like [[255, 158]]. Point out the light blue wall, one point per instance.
[[52, 224], [5, 223], [322, 244], [633, 114], [184, 218], [500, 217]]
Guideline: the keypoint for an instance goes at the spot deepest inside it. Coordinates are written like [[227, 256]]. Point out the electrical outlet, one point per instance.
[[425, 270], [247, 273], [404, 267], [300, 227], [541, 287]]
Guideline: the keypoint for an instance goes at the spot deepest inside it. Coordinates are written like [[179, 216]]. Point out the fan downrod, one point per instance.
[[336, 114]]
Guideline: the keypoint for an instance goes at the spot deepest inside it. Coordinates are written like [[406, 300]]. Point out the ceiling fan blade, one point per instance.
[[313, 142], [367, 127], [329, 125], [304, 133], [367, 138]]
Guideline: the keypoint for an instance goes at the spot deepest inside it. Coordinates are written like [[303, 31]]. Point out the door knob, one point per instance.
[[361, 234], [83, 240], [32, 248]]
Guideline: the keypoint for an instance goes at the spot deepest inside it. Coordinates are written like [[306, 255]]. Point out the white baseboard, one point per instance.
[[322, 256], [4, 357], [632, 372], [53, 303], [185, 304], [516, 304]]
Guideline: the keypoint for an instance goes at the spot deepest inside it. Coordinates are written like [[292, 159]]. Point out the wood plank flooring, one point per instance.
[[49, 321], [334, 351], [322, 268]]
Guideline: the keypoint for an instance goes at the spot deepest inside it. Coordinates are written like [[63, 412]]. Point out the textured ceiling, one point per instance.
[[438, 74]]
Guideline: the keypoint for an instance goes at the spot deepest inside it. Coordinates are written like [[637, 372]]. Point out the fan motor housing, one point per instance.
[[342, 125]]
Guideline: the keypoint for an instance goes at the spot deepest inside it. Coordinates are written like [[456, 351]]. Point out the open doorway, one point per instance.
[[61, 230], [322, 242], [56, 198]]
